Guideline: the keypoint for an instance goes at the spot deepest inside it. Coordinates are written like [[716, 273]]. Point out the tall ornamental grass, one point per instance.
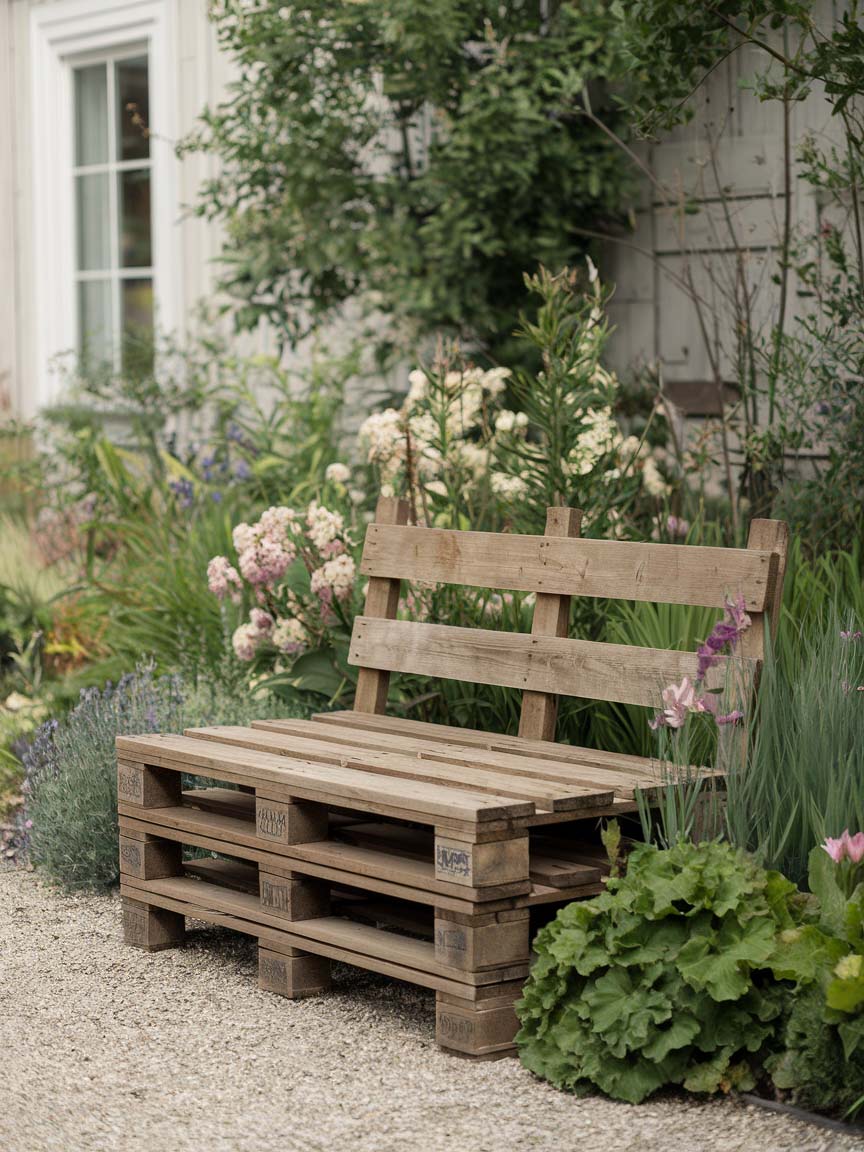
[[804, 779]]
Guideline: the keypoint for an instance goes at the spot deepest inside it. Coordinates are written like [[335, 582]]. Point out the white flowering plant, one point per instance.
[[494, 448], [293, 581]]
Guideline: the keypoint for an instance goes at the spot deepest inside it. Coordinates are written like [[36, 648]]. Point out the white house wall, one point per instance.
[[653, 316]]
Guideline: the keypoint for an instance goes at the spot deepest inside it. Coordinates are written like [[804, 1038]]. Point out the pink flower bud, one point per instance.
[[836, 849], [854, 846]]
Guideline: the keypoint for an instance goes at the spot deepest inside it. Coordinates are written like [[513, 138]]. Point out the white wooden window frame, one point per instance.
[[63, 35]]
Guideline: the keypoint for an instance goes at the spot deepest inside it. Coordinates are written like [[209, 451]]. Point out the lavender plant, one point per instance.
[[70, 815]]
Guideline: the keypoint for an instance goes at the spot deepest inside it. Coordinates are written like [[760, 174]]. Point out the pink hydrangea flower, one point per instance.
[[223, 579], [245, 642], [261, 621]]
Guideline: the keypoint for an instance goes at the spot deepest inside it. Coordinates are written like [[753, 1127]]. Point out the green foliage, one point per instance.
[[71, 787], [823, 1061], [815, 1066], [804, 779], [130, 517], [419, 156], [665, 978]]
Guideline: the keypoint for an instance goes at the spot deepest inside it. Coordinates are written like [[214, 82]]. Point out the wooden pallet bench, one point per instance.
[[428, 853]]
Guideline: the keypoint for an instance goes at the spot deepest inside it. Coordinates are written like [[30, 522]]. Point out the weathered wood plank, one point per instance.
[[285, 942], [613, 569], [542, 792], [595, 671], [378, 867], [605, 776], [318, 782], [373, 943], [382, 599], [551, 618]]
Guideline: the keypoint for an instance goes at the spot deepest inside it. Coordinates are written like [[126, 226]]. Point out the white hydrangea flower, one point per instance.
[[289, 635], [337, 473], [653, 480], [324, 525], [507, 486]]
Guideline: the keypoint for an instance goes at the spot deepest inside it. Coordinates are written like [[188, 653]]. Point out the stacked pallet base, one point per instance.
[[349, 843]]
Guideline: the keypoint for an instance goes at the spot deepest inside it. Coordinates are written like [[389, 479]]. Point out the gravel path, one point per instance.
[[103, 1047]]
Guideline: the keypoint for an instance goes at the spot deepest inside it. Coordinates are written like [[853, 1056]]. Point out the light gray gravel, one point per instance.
[[103, 1047]]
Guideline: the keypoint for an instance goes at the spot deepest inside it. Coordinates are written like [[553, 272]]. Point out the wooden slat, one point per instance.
[[613, 569], [282, 940], [471, 738], [602, 775], [322, 783], [225, 873], [227, 801], [539, 712], [543, 793], [382, 599], [617, 672], [373, 943], [381, 869], [561, 873]]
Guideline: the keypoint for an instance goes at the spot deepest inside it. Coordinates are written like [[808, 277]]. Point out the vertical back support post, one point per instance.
[[382, 601], [551, 618], [773, 536]]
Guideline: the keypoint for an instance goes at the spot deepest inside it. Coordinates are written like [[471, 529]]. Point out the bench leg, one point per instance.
[[293, 973], [479, 1030], [151, 928]]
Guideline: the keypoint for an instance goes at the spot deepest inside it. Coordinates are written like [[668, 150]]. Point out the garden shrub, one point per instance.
[[823, 1062], [814, 1066], [665, 978], [70, 785], [448, 140]]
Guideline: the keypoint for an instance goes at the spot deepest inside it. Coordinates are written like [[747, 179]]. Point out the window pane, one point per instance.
[[94, 323], [92, 220], [133, 104], [137, 304], [91, 115], [134, 191]]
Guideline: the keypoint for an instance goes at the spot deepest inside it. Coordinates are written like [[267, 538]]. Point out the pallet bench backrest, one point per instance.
[[556, 566]]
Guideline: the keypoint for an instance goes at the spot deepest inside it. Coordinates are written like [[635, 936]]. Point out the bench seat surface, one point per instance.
[[432, 772]]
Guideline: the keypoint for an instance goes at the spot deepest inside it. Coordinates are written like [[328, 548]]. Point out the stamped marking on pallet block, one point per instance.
[[472, 947], [151, 859], [474, 1030], [130, 854], [481, 865], [290, 823], [134, 924], [146, 786], [294, 899], [292, 976], [145, 926]]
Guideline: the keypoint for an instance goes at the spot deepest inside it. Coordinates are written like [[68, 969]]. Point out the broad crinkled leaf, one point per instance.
[[720, 964]]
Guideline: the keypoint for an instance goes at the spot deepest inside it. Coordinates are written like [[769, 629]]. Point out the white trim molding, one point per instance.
[[61, 33]]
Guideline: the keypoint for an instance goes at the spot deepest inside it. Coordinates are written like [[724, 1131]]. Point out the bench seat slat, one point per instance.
[[613, 569], [548, 794], [617, 672], [323, 782], [620, 777]]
